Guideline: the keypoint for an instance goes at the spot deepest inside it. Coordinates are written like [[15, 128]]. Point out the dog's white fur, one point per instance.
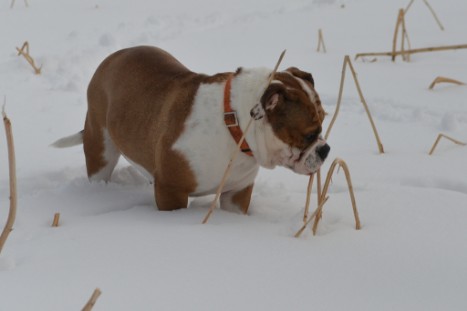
[[204, 131]]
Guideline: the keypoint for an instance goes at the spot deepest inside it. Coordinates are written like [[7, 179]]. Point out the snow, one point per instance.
[[411, 253]]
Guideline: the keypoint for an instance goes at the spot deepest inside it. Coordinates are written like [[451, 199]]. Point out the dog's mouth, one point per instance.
[[310, 159]]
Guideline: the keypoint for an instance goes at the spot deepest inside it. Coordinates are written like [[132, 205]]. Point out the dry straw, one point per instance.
[[317, 214], [56, 221], [431, 10], [237, 150], [321, 41], [327, 182], [312, 216], [92, 301], [457, 142], [400, 25], [320, 188], [308, 194], [308, 197], [444, 80], [321, 192], [346, 63], [13, 3], [12, 172], [404, 38], [414, 51], [24, 50]]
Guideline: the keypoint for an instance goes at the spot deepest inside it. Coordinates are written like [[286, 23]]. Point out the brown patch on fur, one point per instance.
[[93, 148], [288, 80], [242, 198], [294, 118], [217, 78], [308, 79], [306, 76]]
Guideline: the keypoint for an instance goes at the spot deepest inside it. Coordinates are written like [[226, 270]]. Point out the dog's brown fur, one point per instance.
[[120, 79]]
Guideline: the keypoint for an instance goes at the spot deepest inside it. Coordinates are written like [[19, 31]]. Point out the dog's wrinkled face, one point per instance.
[[291, 106]]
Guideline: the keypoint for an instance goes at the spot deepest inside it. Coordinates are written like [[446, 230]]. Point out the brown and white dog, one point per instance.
[[180, 127]]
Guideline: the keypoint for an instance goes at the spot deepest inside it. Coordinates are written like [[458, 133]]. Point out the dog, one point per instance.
[[180, 128]]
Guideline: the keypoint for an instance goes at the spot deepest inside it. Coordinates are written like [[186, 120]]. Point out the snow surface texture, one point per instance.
[[411, 253]]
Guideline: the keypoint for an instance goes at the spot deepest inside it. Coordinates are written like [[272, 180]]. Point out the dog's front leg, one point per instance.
[[234, 200], [169, 198]]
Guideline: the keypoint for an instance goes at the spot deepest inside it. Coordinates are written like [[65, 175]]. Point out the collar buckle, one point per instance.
[[230, 118]]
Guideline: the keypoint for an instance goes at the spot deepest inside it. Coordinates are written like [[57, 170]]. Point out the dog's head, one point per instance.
[[292, 109]]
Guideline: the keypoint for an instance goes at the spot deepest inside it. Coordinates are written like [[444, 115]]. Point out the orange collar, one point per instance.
[[231, 120]]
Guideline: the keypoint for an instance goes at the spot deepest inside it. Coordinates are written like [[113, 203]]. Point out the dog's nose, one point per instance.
[[323, 151]]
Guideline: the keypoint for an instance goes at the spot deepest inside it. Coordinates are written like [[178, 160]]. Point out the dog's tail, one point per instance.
[[69, 141]]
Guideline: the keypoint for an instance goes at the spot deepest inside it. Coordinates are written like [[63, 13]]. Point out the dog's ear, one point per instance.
[[301, 74], [272, 97]]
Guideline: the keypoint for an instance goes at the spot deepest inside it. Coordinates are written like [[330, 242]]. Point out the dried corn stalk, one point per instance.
[[400, 24], [13, 3], [457, 142], [12, 171], [24, 50], [320, 42], [444, 80], [431, 10], [92, 301], [56, 221], [316, 215], [414, 51], [347, 62]]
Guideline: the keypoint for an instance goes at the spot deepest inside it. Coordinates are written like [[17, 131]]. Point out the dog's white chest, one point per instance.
[[208, 146]]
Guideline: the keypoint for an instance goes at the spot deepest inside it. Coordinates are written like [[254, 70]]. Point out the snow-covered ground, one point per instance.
[[411, 253]]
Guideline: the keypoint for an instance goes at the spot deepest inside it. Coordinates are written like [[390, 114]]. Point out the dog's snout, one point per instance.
[[323, 151]]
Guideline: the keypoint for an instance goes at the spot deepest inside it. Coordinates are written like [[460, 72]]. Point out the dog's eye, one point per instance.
[[311, 137]]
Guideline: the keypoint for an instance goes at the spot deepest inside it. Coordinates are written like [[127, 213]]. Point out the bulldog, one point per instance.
[[180, 128]]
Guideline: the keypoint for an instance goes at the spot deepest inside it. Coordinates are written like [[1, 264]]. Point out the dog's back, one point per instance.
[[152, 82]]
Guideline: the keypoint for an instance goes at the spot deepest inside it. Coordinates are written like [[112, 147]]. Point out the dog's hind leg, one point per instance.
[[100, 152]]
